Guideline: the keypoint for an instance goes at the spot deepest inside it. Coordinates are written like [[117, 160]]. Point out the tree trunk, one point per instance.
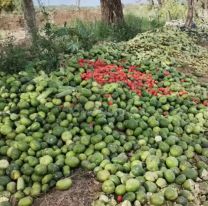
[[112, 11], [206, 4], [30, 20], [78, 5], [205, 8], [190, 14]]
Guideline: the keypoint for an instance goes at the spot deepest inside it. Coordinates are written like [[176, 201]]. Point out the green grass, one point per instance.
[[100, 31]]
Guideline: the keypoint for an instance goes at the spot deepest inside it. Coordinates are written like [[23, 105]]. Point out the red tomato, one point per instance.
[[135, 80], [166, 73], [205, 103], [182, 93], [195, 100], [119, 198], [110, 103]]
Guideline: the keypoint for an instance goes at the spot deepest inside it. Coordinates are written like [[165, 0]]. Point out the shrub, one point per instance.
[[100, 31], [54, 42], [12, 57], [172, 10]]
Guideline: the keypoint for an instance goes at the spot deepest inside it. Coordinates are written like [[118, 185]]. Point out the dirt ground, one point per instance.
[[84, 190], [57, 16], [13, 24]]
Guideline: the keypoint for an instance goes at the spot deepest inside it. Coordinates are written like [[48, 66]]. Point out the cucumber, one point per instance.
[[20, 184], [26, 201], [64, 184]]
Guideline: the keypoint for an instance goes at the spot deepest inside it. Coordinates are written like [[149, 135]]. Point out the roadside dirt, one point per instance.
[[84, 190]]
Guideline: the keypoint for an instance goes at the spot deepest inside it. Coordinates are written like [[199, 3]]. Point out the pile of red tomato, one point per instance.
[[110, 73]]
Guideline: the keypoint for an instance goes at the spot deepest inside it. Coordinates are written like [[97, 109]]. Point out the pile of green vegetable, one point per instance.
[[143, 149], [170, 47]]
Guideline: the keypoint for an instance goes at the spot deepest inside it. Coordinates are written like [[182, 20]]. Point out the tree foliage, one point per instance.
[[17, 5], [7, 5], [10, 5], [172, 9]]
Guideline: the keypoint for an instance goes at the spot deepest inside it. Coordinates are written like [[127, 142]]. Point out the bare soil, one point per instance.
[[15, 22], [12, 25], [84, 190]]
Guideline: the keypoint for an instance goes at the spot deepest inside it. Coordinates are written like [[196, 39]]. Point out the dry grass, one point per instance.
[[60, 17], [13, 22]]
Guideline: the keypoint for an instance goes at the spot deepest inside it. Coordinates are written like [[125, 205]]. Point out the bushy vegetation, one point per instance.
[[54, 42], [172, 10], [116, 33], [10, 5], [6, 5]]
